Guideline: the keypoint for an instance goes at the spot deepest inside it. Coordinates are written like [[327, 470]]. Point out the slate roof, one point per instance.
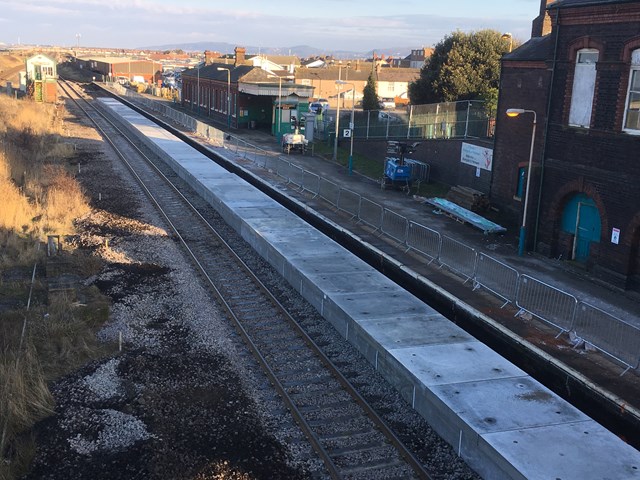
[[536, 49], [387, 74], [398, 74], [331, 73], [241, 73]]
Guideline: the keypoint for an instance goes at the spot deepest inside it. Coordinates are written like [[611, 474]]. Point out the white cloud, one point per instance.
[[137, 23]]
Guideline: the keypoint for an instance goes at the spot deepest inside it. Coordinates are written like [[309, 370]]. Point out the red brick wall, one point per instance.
[[601, 161], [523, 85]]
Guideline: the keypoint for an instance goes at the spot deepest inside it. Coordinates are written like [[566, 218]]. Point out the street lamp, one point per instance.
[[228, 94], [514, 112], [335, 140], [279, 111], [351, 124], [198, 67], [508, 36]]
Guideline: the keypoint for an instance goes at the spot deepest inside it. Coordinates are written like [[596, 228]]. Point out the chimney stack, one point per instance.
[[240, 52], [209, 56], [541, 26]]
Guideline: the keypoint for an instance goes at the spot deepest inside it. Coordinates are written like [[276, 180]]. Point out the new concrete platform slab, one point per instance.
[[503, 422]]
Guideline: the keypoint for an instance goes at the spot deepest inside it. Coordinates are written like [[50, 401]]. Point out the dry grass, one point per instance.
[[38, 196]]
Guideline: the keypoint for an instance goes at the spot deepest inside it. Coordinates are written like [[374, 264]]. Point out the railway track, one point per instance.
[[347, 434]]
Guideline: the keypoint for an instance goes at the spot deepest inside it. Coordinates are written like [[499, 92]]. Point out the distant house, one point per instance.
[[323, 81], [273, 63], [41, 78], [314, 63], [393, 83], [416, 59], [419, 56], [580, 74]]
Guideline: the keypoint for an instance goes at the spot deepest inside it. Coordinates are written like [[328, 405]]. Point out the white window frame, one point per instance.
[[635, 70], [583, 90]]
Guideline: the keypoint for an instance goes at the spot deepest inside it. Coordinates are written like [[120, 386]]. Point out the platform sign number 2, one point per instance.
[[615, 236]]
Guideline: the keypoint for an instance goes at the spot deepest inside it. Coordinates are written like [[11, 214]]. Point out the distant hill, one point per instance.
[[301, 51]]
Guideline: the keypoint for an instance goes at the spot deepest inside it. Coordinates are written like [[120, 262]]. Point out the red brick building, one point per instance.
[[580, 74], [243, 95]]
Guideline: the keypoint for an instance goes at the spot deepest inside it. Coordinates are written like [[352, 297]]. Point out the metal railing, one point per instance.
[[497, 277], [551, 305], [546, 302], [463, 119], [543, 301], [609, 334]]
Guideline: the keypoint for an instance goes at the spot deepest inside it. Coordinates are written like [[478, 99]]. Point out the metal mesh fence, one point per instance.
[[349, 201], [370, 213], [497, 277], [329, 191], [546, 302], [608, 333], [424, 240], [458, 257], [395, 225], [464, 119]]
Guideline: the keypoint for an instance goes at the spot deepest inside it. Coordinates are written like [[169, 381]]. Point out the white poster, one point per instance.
[[475, 156], [615, 236]]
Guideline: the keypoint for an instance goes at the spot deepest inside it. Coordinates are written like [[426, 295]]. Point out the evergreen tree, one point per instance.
[[370, 100], [462, 67]]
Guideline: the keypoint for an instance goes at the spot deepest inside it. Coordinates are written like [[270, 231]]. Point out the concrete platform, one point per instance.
[[503, 423]]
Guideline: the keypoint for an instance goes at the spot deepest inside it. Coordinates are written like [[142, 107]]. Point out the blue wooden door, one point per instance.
[[582, 219]]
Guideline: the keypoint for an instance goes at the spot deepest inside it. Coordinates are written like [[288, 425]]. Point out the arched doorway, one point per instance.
[[581, 219]]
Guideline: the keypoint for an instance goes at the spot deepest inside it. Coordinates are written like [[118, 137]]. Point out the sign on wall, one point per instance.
[[476, 156], [615, 236]]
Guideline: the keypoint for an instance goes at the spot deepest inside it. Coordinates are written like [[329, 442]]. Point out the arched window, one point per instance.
[[584, 84], [632, 110]]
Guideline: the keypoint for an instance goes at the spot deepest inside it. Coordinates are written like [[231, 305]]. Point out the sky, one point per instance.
[[354, 25]]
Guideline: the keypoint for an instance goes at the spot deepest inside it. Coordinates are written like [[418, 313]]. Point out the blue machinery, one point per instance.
[[397, 173]]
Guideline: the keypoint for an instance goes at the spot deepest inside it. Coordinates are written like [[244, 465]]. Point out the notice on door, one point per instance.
[[615, 236]]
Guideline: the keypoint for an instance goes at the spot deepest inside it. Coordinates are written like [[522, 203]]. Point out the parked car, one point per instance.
[[387, 103], [324, 102], [319, 106], [316, 108], [387, 117]]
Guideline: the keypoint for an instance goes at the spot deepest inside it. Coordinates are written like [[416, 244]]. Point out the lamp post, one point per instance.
[[198, 88], [351, 124], [279, 111], [508, 36], [228, 94], [335, 140], [514, 112]]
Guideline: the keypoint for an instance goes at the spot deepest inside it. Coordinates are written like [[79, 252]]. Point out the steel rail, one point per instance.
[[403, 451]]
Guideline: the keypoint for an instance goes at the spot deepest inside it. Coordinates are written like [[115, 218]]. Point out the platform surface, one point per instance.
[[504, 423]]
